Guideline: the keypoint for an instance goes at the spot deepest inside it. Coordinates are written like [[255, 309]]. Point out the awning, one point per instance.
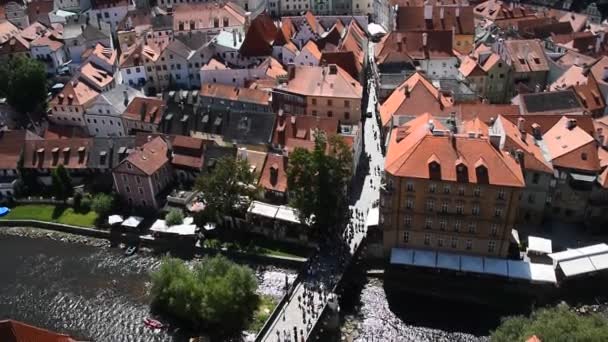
[[114, 219], [132, 221], [160, 226], [539, 245], [263, 209], [289, 214], [583, 178]]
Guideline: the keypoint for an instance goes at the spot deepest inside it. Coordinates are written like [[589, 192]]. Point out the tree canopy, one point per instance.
[[553, 324], [174, 217], [102, 204], [23, 83], [216, 292], [318, 180], [62, 183], [226, 185]]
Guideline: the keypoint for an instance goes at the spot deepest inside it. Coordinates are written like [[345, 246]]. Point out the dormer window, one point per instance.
[[434, 168], [481, 172], [462, 173]]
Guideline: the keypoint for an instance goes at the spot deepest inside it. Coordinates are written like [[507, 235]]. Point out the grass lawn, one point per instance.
[[262, 313], [52, 213]]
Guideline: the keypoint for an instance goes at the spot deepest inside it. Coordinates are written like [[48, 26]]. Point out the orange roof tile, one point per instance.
[[150, 157], [203, 15], [223, 91], [14, 331], [290, 130], [330, 81], [97, 76], [72, 153], [475, 126], [416, 95], [214, 64], [571, 147], [107, 55], [274, 175], [149, 108], [470, 68], [75, 93], [313, 49], [412, 149]]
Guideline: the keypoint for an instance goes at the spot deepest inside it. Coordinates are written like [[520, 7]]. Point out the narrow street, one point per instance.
[[300, 314]]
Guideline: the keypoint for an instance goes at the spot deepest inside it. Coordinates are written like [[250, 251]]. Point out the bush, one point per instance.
[[102, 204], [77, 200], [85, 203], [214, 293], [174, 217], [553, 324]]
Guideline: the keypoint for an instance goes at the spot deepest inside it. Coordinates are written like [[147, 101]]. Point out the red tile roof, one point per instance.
[[460, 18], [274, 173], [292, 130], [14, 331], [75, 93], [497, 10], [203, 14], [223, 91], [11, 145], [150, 157], [149, 108], [413, 97], [259, 37], [72, 153], [412, 149], [546, 122], [398, 47], [330, 81], [527, 55], [571, 147]]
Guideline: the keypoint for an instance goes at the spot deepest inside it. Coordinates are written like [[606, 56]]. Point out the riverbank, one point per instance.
[[34, 233]]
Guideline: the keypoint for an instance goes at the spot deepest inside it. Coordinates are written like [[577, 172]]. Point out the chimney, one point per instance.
[[425, 37], [521, 124], [406, 90], [234, 37], [536, 132], [293, 125], [291, 71], [571, 123], [274, 174], [333, 69], [431, 125], [400, 133], [519, 156], [126, 97], [492, 120]]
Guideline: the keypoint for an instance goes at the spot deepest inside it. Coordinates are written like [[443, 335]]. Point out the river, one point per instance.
[[91, 293]]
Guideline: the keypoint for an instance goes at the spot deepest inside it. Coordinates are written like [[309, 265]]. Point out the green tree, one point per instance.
[[318, 181], [62, 183], [174, 217], [102, 204], [227, 185], [214, 293], [553, 324], [23, 83]]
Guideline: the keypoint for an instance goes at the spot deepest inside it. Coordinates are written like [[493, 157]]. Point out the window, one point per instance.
[[330, 113], [432, 187], [346, 103], [124, 178], [477, 192], [314, 102], [444, 207], [498, 212], [493, 229], [469, 245], [409, 203], [531, 198], [128, 71], [430, 204], [129, 166], [459, 208], [440, 242], [491, 246], [457, 225], [410, 186], [428, 223], [454, 242], [138, 180], [225, 22], [407, 220], [446, 189], [346, 116], [535, 178], [427, 239], [314, 113], [443, 223], [330, 102], [461, 191], [141, 190], [406, 237], [501, 194], [475, 209], [127, 189], [472, 227]]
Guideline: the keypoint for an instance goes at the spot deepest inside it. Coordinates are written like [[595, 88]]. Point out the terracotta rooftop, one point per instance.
[[552, 102], [398, 47], [312, 49], [105, 54], [48, 41], [150, 157], [313, 23], [571, 147], [470, 68], [72, 153], [214, 64], [516, 140], [578, 21], [497, 10], [202, 15], [571, 57], [415, 96], [290, 129], [132, 56], [260, 36], [75, 93], [7, 31], [187, 151], [11, 145], [274, 173], [146, 109], [416, 150], [13, 331], [545, 122], [97, 76], [527, 55], [223, 91], [459, 18], [330, 81]]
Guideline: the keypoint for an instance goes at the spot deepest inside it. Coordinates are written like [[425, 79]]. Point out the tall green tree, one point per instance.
[[553, 324], [318, 180], [214, 293], [23, 82], [62, 183], [225, 188], [102, 204]]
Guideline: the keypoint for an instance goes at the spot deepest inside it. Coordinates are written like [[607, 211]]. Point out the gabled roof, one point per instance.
[[7, 31], [292, 129], [527, 55], [75, 93], [131, 56], [313, 23], [96, 76], [150, 157], [470, 68], [223, 91], [202, 15], [275, 163], [398, 47], [416, 95], [571, 147], [312, 49], [330, 81], [515, 140], [412, 148], [497, 10], [459, 18], [260, 36], [72, 153], [149, 109]]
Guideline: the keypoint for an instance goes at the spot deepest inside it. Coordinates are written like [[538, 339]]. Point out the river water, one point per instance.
[[91, 293]]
